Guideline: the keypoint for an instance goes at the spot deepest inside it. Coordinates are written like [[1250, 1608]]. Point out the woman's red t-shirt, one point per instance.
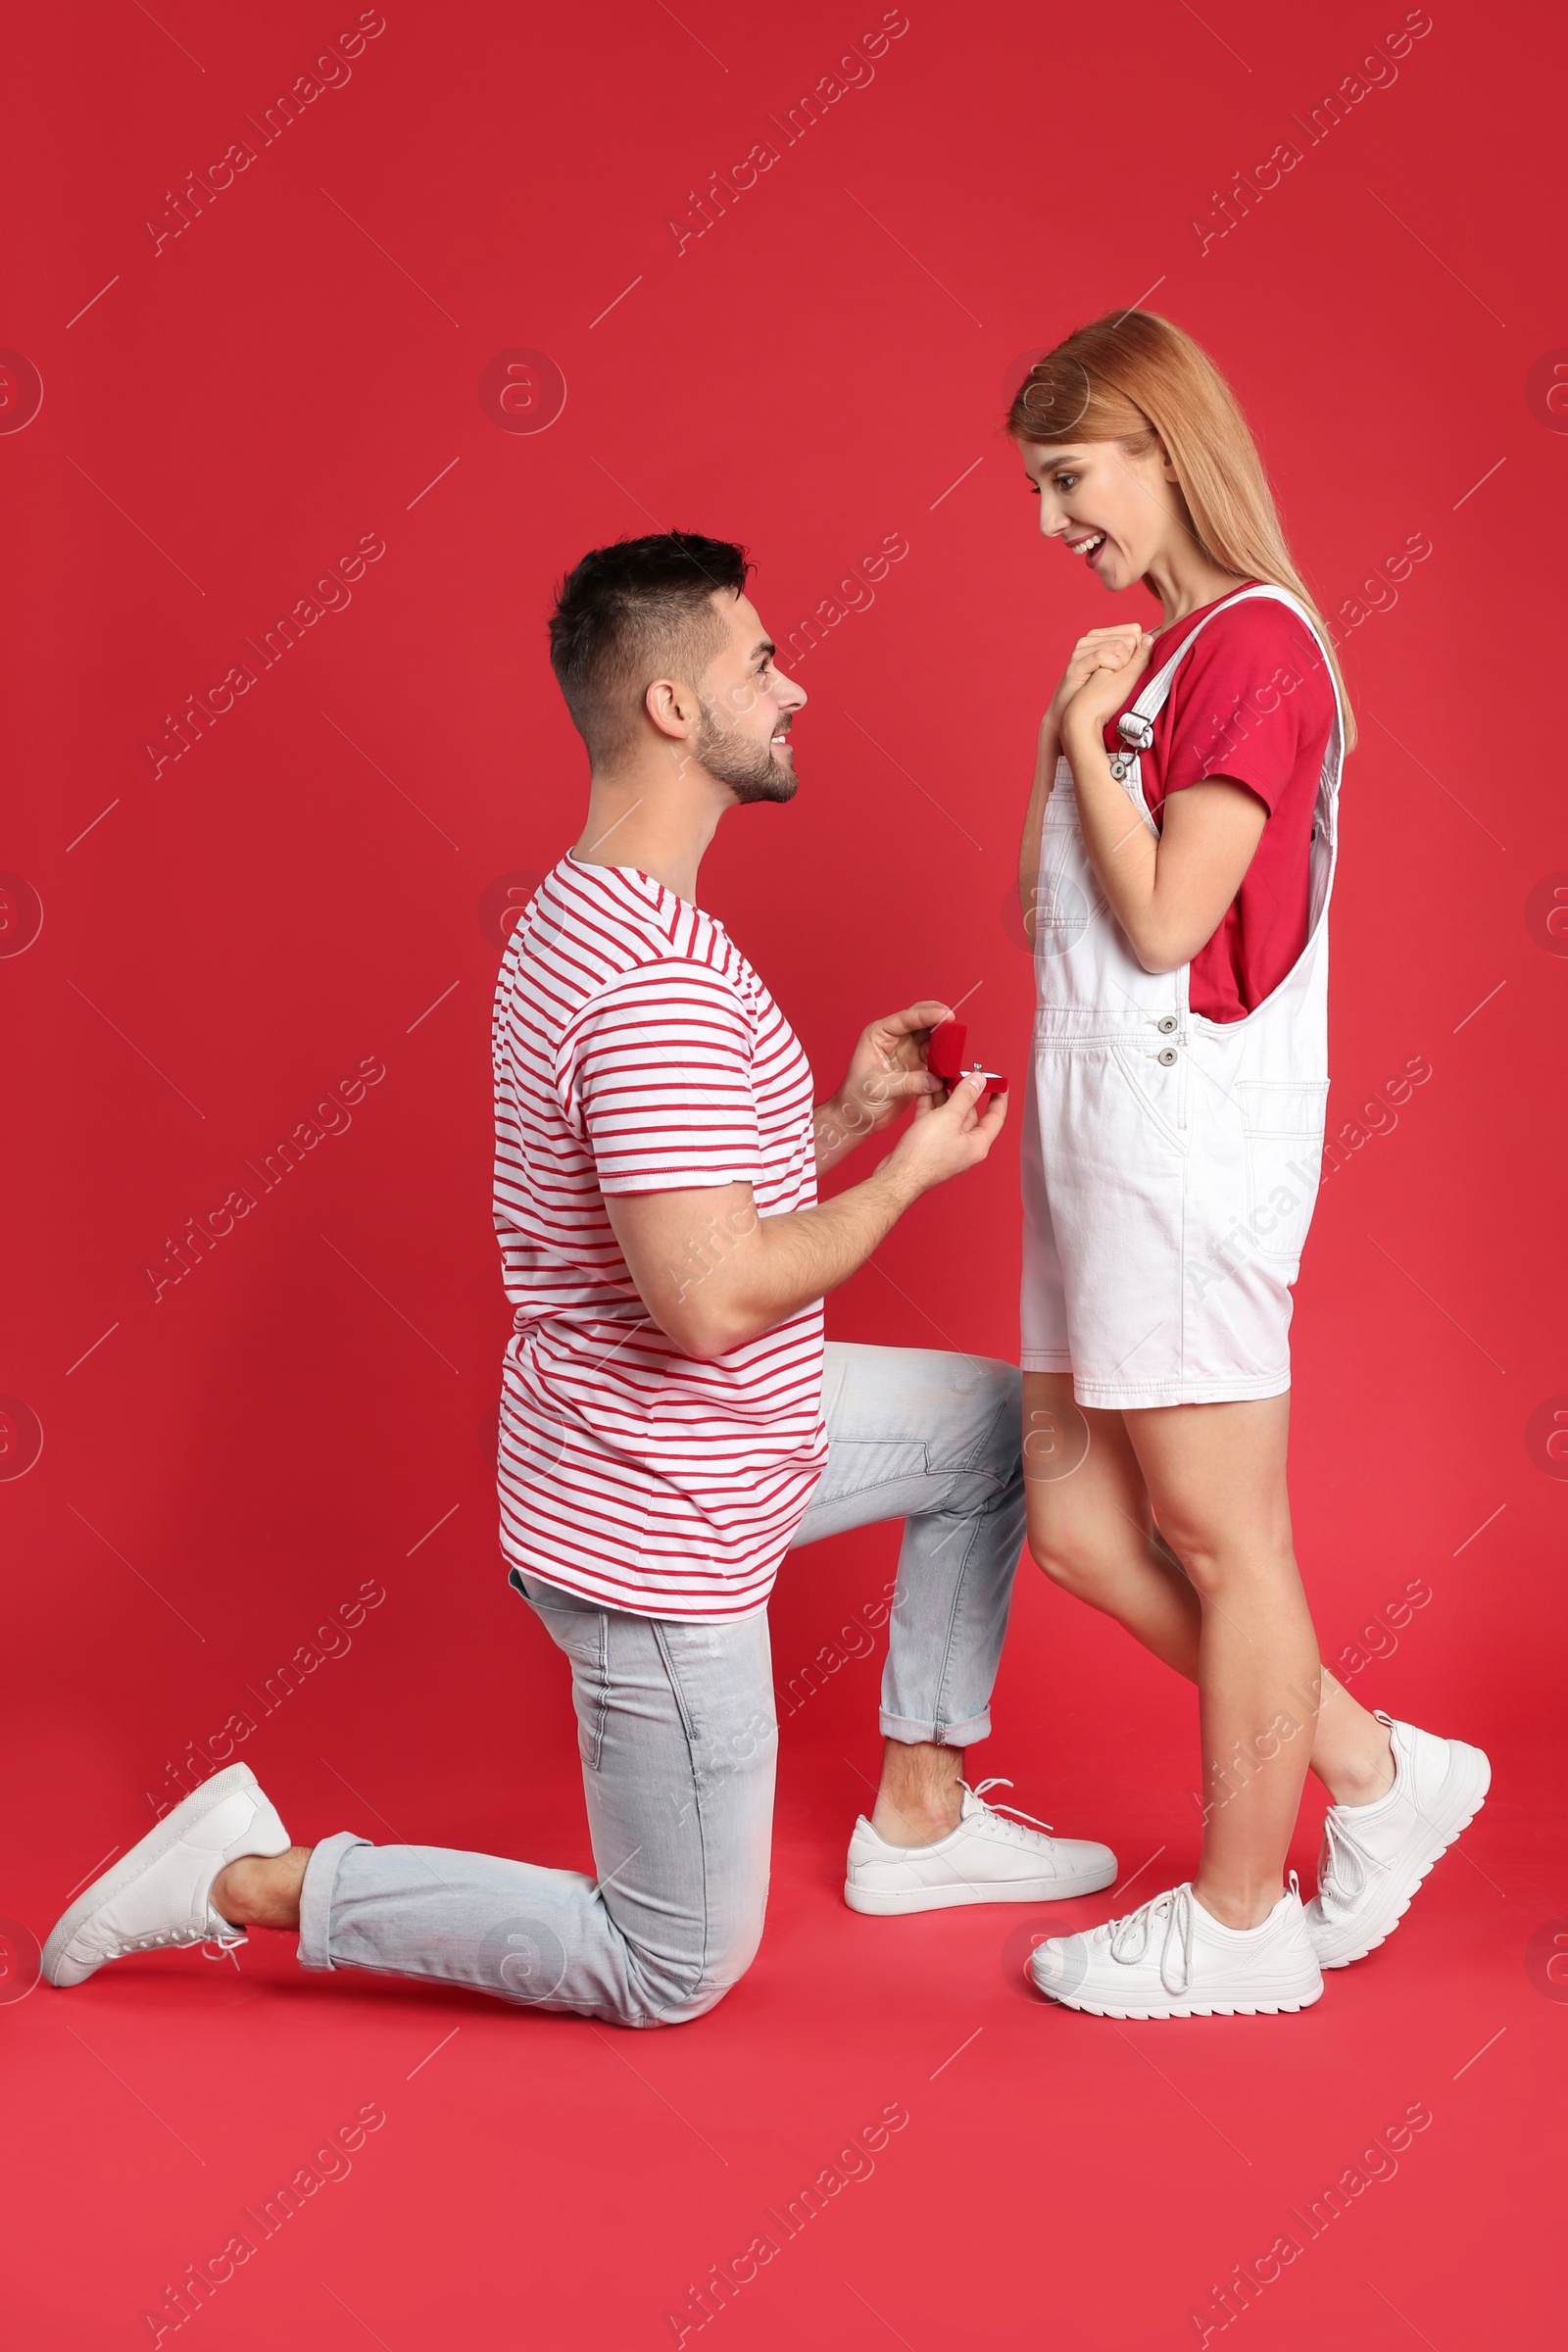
[[1252, 702]]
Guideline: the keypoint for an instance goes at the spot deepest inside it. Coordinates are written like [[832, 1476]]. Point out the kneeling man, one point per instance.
[[671, 1422]]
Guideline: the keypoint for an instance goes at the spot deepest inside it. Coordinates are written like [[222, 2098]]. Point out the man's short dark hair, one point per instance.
[[632, 612]]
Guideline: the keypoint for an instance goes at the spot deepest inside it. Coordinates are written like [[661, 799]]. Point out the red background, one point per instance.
[[304, 889]]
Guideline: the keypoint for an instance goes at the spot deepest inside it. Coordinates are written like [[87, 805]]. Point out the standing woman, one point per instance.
[[1176, 866]]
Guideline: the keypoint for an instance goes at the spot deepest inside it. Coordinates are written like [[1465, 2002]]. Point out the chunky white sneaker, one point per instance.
[[1172, 1958], [986, 1859], [157, 1895], [1375, 1856]]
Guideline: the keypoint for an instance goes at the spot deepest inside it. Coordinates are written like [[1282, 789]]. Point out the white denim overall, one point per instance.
[[1170, 1162]]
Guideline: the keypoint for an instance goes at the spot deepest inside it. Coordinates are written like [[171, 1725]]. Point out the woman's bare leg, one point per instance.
[[1215, 1476], [1091, 1529]]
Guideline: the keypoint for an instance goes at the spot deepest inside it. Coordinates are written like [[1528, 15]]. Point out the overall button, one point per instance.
[[1167, 1024], [1166, 1056]]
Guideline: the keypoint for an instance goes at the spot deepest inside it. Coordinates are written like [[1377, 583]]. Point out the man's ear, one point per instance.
[[673, 706]]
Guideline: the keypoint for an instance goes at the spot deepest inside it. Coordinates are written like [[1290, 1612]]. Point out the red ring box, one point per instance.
[[943, 1057]]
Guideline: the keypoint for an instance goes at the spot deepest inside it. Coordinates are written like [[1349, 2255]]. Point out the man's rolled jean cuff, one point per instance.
[[945, 1735], [316, 1899]]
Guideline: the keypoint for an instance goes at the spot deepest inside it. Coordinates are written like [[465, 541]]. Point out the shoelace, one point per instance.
[[155, 1936], [218, 1947], [1344, 1864], [1340, 1863], [978, 1793], [1130, 1937]]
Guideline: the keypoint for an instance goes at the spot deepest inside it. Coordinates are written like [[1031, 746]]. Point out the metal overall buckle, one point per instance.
[[1139, 735]]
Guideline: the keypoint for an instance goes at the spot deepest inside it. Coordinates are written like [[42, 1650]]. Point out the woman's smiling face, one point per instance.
[[1117, 510]]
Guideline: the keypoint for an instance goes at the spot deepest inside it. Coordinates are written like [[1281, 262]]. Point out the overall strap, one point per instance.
[[1137, 732], [1135, 726]]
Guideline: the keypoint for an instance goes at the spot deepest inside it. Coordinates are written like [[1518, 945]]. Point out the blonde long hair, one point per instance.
[[1135, 377]]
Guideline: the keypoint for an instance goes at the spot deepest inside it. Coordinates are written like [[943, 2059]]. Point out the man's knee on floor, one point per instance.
[[664, 2002], [706, 1994], [662, 1992]]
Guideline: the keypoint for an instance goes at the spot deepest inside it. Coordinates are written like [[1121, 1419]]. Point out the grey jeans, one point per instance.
[[678, 1732]]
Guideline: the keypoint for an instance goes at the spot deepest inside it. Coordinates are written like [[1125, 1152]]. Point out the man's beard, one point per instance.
[[747, 766]]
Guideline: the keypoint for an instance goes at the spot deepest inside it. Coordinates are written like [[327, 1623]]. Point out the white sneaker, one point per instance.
[[986, 1859], [157, 1895], [1375, 1856], [1172, 1958]]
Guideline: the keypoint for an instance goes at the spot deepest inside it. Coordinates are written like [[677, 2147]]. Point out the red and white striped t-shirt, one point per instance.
[[636, 1050]]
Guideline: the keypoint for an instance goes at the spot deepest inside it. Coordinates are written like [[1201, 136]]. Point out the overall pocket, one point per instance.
[[1156, 1091], [1282, 1126]]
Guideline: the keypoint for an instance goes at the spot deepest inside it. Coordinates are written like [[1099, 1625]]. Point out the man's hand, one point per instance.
[[714, 1274], [944, 1138], [887, 1070]]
